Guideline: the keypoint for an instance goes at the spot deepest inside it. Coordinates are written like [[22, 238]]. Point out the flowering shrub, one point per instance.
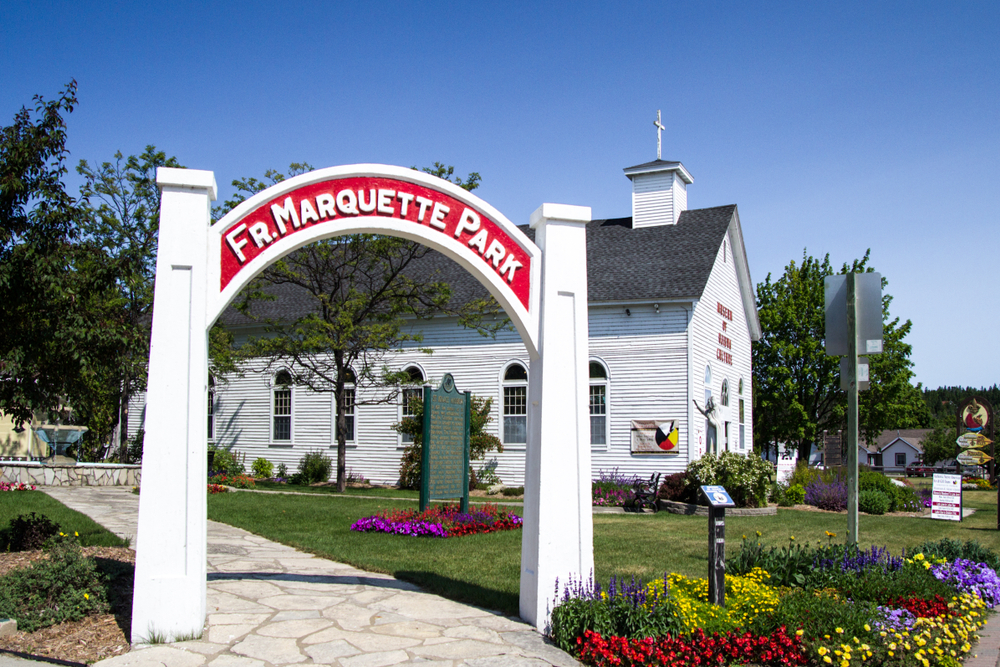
[[20, 486], [235, 481], [827, 495], [979, 483], [698, 648], [217, 488], [441, 521], [746, 478]]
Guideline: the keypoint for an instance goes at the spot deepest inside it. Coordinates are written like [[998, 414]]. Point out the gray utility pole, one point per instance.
[[852, 411], [853, 323]]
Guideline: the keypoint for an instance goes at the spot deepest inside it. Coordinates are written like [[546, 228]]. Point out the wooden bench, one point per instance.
[[646, 492]]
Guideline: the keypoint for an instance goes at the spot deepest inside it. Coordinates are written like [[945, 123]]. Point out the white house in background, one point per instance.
[[672, 317], [897, 448]]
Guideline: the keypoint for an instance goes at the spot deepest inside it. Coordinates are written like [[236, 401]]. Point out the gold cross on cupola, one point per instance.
[[659, 129]]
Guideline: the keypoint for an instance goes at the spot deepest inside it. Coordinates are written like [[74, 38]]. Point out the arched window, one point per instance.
[[515, 405], [211, 409], [281, 414], [598, 404], [416, 378], [724, 394], [708, 385], [350, 386]]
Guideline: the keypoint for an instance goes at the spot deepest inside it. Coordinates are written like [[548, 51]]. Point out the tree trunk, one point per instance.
[[123, 426], [338, 390]]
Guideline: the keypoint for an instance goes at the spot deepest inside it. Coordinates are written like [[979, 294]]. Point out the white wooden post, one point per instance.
[[170, 572], [558, 534]]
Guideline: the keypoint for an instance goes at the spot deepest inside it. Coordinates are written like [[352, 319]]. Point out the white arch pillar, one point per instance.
[[171, 544], [558, 537]]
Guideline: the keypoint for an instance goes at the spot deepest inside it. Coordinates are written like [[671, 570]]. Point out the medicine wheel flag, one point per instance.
[[666, 435]]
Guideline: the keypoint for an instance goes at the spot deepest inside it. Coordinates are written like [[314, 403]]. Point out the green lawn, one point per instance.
[[15, 503], [332, 490], [483, 569]]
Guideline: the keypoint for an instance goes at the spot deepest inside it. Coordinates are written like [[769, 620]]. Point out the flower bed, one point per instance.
[[441, 521], [823, 605], [613, 489], [20, 486], [235, 481], [217, 488]]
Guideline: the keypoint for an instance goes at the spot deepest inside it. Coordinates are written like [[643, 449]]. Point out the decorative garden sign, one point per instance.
[[444, 457], [200, 268]]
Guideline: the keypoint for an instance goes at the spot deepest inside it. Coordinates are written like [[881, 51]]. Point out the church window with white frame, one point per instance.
[[724, 394], [281, 407], [410, 392], [598, 404], [743, 442], [515, 404], [350, 409]]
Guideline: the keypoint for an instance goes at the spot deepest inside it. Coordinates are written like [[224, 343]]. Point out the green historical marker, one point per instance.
[[444, 461]]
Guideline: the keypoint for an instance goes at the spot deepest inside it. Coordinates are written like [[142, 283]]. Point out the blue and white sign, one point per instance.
[[717, 496]]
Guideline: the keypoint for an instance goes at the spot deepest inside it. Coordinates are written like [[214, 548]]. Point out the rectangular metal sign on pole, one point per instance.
[[853, 328], [946, 497], [718, 500], [444, 457]]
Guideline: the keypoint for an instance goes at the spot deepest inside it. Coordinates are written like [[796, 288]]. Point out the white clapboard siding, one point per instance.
[[723, 287], [652, 200], [646, 354]]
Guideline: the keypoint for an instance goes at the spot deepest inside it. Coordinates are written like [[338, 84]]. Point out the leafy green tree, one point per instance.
[[367, 291], [123, 206], [940, 444], [797, 391], [52, 282]]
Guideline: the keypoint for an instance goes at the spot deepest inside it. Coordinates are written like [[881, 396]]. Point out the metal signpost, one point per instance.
[[974, 426], [444, 459], [853, 328], [718, 500]]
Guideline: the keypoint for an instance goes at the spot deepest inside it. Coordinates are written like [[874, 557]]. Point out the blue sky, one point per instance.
[[835, 127]]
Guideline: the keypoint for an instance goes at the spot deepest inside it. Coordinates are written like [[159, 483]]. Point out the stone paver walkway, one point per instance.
[[270, 605]]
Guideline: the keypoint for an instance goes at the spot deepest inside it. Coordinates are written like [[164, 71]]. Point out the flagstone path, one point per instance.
[[271, 605]]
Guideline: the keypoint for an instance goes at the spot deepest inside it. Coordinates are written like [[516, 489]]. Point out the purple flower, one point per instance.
[[970, 577]]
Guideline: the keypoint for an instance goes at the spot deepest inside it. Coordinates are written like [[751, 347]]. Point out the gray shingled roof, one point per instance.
[[623, 264]]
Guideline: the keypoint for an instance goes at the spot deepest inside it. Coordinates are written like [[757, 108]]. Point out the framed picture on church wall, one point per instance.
[[654, 436]]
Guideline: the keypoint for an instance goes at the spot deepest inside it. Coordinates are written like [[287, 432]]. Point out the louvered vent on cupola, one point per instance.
[[659, 192]]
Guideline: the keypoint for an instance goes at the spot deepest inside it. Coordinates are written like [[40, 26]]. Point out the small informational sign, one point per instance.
[[444, 459], [946, 497], [833, 449], [717, 496], [863, 379], [655, 436], [788, 457], [972, 440], [718, 500]]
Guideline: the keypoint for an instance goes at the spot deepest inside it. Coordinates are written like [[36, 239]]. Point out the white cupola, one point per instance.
[[659, 188], [659, 192]]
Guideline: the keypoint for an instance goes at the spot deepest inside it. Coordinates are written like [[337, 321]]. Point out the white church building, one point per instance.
[[672, 318]]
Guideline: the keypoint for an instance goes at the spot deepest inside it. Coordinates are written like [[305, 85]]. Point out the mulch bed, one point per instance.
[[93, 638]]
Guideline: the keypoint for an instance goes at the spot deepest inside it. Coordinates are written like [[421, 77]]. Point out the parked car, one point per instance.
[[919, 469]]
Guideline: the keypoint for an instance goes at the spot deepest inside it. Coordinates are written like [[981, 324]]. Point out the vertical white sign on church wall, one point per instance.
[[543, 288]]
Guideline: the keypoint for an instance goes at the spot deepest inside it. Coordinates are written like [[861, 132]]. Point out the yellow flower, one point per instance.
[[868, 628], [759, 533], [798, 633], [791, 537], [827, 659], [840, 631], [86, 596], [76, 533], [822, 650]]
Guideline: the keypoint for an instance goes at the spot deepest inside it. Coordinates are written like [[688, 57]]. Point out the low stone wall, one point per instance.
[[92, 474], [702, 510]]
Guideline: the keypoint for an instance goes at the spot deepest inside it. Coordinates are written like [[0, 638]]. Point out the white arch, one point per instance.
[[546, 301], [524, 318]]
